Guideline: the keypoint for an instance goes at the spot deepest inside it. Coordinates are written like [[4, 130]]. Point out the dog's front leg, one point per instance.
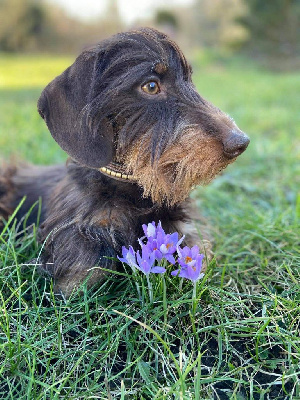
[[77, 253]]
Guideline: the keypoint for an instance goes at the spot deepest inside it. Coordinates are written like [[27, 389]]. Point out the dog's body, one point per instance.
[[139, 138]]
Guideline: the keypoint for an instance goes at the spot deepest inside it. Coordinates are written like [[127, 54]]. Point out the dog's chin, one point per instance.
[[171, 189], [172, 183]]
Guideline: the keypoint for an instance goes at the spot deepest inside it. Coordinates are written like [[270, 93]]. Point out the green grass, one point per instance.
[[22, 130], [242, 341]]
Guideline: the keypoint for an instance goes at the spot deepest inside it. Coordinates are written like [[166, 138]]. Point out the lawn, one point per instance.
[[241, 339]]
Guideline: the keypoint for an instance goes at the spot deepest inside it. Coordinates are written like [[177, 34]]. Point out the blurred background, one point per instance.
[[268, 29]]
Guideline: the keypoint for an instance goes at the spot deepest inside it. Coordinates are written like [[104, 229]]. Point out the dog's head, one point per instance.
[[131, 101]]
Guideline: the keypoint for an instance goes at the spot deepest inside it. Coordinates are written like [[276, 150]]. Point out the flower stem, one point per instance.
[[150, 289], [138, 290], [194, 299], [165, 300]]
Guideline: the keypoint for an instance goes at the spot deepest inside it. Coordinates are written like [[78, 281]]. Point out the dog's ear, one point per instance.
[[63, 105]]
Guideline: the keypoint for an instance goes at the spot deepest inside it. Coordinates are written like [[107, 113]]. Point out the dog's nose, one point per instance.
[[235, 143]]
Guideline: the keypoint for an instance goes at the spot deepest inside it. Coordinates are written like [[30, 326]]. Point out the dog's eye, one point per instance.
[[151, 87]]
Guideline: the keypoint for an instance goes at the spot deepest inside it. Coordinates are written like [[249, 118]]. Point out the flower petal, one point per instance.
[[151, 230], [128, 257], [194, 251], [170, 258], [158, 270]]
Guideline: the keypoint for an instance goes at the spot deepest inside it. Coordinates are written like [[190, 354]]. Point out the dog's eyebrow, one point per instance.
[[160, 68]]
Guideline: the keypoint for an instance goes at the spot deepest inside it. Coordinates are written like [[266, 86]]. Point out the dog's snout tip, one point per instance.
[[234, 154], [235, 144]]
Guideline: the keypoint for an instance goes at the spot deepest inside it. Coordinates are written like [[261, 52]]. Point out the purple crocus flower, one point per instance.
[[146, 262], [129, 257], [168, 245], [151, 230], [164, 245], [157, 245], [190, 261], [187, 255]]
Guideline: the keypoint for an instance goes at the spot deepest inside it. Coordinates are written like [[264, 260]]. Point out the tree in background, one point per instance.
[[36, 25], [23, 25], [167, 21], [166, 17], [273, 26], [205, 23], [214, 23]]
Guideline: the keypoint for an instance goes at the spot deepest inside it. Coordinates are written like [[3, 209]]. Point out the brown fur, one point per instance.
[[100, 113], [171, 178]]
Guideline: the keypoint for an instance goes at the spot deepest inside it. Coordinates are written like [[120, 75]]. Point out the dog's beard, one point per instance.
[[195, 159]]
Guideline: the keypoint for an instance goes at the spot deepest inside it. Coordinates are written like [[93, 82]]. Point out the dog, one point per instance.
[[139, 138]]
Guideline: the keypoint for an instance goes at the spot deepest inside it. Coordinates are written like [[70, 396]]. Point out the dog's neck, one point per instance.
[[116, 170]]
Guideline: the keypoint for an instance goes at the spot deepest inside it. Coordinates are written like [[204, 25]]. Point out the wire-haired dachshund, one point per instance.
[[139, 138]]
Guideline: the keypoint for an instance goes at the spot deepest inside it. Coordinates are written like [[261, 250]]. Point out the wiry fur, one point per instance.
[[99, 113], [171, 178]]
